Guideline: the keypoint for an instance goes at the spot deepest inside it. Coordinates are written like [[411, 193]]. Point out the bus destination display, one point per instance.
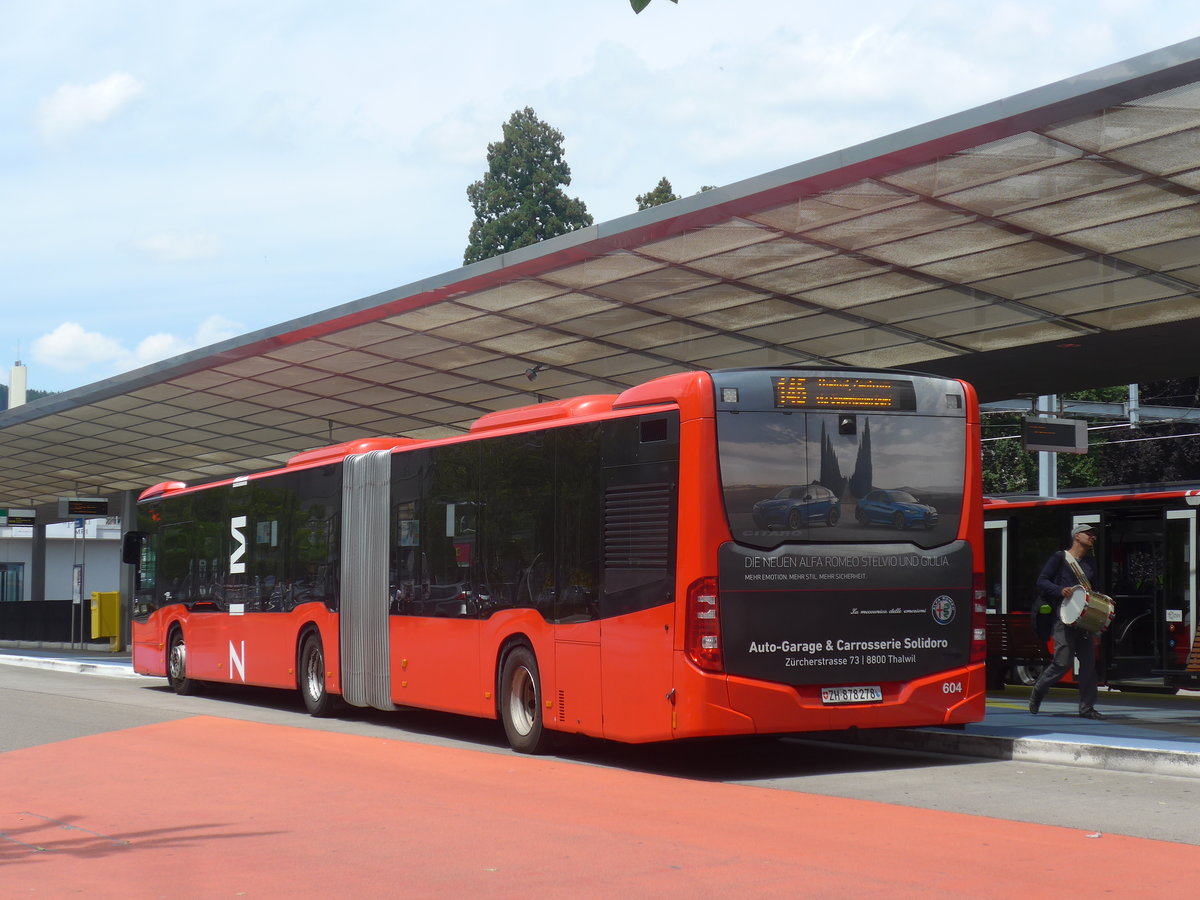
[[824, 392]]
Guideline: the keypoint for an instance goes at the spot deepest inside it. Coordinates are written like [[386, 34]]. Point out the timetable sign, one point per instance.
[[1054, 435], [73, 507], [17, 516]]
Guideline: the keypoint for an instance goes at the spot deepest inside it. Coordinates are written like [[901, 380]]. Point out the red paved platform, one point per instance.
[[210, 807]]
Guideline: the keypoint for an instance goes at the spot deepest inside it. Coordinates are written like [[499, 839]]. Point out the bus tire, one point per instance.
[[177, 665], [1028, 673], [317, 699], [520, 696]]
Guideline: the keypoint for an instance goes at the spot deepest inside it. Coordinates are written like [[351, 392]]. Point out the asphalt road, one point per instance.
[[119, 781]]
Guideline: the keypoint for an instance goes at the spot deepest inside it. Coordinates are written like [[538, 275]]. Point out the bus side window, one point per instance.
[[578, 490], [408, 568], [518, 522]]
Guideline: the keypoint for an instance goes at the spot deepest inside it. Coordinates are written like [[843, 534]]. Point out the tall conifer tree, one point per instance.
[[520, 200]]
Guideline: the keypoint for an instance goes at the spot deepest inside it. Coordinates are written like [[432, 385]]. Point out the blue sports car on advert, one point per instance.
[[794, 507], [900, 509]]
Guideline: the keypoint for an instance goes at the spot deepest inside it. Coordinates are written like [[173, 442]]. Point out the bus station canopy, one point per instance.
[[1042, 243]]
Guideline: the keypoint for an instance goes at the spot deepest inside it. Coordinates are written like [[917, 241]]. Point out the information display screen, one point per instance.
[[825, 392], [17, 517], [71, 507]]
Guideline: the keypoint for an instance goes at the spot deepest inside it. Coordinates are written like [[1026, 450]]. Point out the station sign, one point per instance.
[[1054, 435], [17, 516], [86, 507]]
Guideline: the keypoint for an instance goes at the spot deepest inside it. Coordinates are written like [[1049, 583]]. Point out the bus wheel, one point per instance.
[[1028, 674], [520, 697], [317, 700], [177, 665]]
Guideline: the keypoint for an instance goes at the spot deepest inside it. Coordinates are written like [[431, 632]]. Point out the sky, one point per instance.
[[174, 173]]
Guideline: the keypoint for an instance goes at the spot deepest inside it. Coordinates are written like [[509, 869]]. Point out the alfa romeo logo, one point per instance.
[[943, 610]]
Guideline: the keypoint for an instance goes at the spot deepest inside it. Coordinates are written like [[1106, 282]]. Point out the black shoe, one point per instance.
[[1092, 714], [1035, 703]]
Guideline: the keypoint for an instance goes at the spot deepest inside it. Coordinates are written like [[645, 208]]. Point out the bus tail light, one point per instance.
[[978, 619], [702, 635]]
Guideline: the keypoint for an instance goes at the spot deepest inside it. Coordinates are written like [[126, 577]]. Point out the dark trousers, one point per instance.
[[1071, 642]]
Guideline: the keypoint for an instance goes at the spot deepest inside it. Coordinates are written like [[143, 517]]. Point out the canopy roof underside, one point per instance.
[[1043, 243]]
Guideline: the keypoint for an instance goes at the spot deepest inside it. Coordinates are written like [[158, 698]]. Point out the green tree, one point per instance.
[[1007, 468], [639, 5], [30, 394], [520, 201], [662, 193], [1157, 451]]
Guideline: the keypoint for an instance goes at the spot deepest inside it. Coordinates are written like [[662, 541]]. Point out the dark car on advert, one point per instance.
[[794, 507], [900, 509]]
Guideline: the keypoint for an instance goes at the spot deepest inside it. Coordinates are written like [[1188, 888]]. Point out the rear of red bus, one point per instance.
[[829, 553]]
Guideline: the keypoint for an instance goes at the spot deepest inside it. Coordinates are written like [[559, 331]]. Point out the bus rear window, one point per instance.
[[841, 477]]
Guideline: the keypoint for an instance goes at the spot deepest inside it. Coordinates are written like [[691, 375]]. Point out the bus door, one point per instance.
[[1135, 566], [995, 549], [436, 584], [1177, 621]]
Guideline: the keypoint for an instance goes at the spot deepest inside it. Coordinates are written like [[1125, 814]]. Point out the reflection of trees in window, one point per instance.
[[831, 470], [864, 470], [449, 531], [211, 526], [291, 536], [508, 522], [268, 586], [578, 523], [518, 531], [311, 528], [434, 531], [176, 574]]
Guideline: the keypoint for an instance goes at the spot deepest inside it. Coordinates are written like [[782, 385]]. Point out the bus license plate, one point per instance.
[[851, 694]]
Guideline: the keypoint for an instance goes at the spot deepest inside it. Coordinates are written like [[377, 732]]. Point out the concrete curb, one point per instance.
[[84, 667], [1110, 757]]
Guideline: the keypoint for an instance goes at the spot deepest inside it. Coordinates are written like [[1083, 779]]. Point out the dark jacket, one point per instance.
[[1056, 574]]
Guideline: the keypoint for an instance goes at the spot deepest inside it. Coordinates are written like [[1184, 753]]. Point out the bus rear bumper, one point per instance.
[[756, 707]]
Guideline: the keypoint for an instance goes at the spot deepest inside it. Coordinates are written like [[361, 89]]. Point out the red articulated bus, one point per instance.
[[683, 559]]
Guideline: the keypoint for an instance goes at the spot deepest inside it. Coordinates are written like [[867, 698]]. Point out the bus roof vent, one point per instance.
[[162, 489], [338, 452], [573, 408]]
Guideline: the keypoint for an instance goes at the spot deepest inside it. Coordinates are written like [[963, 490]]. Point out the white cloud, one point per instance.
[[71, 348], [215, 329], [74, 108], [180, 247], [158, 346]]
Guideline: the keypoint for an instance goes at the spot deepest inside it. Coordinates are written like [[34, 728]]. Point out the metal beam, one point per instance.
[[1087, 409]]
